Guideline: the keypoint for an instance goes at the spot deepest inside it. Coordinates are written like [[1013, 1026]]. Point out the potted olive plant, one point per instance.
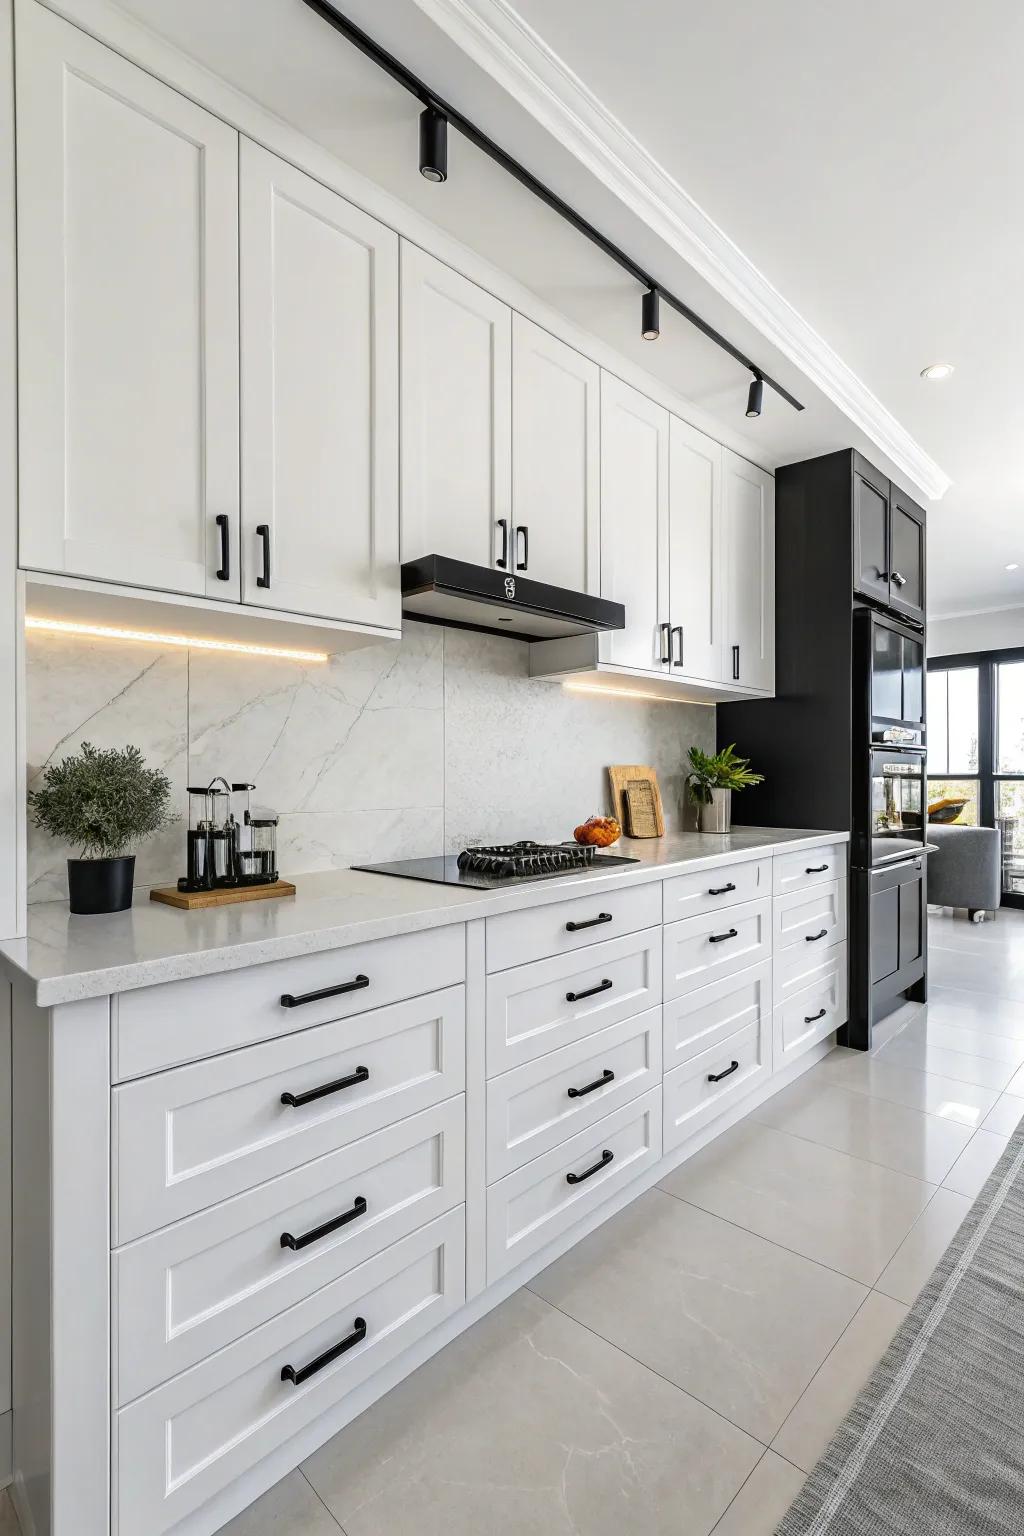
[[711, 781], [103, 802]]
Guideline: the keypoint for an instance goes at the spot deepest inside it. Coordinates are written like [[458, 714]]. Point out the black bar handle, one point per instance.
[[677, 629], [665, 631], [716, 1077], [813, 937], [607, 1076], [316, 1233], [591, 922], [503, 558], [577, 997], [735, 663], [812, 1018], [224, 572], [296, 1100], [721, 890], [815, 869], [289, 1000], [588, 1173], [522, 564], [720, 938], [297, 1377], [263, 531]]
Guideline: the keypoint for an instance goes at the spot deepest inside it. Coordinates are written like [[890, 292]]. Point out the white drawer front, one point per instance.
[[701, 949], [692, 1099], [186, 1292], [808, 1016], [159, 1027], [515, 938], [530, 1010], [188, 1138], [538, 1106], [178, 1446], [815, 866], [537, 1203], [698, 1021], [799, 966], [811, 920], [711, 889]]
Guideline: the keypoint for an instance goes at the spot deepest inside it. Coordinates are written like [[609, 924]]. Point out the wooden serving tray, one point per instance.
[[190, 901]]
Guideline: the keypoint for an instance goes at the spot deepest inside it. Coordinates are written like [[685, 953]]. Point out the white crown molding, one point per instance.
[[499, 41], [975, 613]]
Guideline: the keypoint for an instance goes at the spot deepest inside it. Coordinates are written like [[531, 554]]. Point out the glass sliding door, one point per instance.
[[1008, 696], [954, 787]]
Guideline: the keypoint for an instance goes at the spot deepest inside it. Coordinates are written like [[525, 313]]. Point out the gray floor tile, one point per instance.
[[972, 1168], [290, 1508], [965, 1039], [529, 1425], [922, 1145], [822, 1408], [836, 1209], [763, 1500], [994, 1015], [737, 1321], [911, 1265], [1005, 1115], [882, 1078], [913, 1051]]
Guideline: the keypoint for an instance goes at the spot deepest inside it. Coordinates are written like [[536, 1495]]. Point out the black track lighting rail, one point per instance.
[[418, 88]]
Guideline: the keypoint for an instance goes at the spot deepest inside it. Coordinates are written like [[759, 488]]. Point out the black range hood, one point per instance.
[[438, 590]]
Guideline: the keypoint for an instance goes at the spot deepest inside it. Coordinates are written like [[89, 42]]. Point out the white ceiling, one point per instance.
[[865, 158]]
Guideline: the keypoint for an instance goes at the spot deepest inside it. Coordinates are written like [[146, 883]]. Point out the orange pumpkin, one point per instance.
[[599, 831]]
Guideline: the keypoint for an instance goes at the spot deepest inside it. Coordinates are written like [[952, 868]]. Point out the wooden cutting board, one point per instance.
[[190, 901], [620, 777]]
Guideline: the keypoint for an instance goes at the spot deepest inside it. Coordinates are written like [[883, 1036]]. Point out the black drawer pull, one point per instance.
[[588, 1173], [360, 1075], [577, 997], [716, 1077], [316, 1233], [591, 922], [721, 890], [720, 938], [607, 1076], [812, 1018], [297, 1377], [816, 869], [288, 1000], [812, 938]]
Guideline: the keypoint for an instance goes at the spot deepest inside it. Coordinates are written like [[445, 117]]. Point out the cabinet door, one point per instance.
[[749, 541], [634, 524], [319, 399], [456, 415], [871, 537], [907, 557], [695, 552], [556, 462], [128, 320]]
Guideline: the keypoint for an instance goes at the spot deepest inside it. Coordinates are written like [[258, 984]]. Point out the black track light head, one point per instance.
[[755, 396], [433, 145], [650, 324]]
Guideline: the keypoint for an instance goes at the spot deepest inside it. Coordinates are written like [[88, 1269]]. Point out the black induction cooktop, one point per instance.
[[503, 865]]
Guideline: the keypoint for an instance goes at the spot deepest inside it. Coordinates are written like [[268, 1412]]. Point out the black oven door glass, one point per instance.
[[886, 674], [898, 818]]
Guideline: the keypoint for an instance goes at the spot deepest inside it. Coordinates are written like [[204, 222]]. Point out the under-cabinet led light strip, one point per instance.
[[631, 693], [154, 637]]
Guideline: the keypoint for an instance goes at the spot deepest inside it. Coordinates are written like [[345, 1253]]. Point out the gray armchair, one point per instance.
[[965, 869]]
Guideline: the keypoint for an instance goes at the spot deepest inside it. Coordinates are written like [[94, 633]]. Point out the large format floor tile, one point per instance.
[[882, 1078], [911, 1266], [530, 1425], [290, 1508], [766, 1495], [836, 1209], [973, 1166], [922, 1145], [905, 1050], [1005, 1115], [737, 1321], [965, 1039], [973, 1010], [9, 1521]]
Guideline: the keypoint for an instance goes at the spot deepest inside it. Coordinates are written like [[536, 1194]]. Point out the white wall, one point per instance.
[[992, 631], [12, 880]]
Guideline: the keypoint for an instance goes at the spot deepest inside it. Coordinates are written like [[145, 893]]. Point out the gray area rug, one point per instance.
[[934, 1445]]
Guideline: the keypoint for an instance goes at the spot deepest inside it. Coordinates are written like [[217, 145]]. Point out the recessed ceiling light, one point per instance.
[[937, 371], [1014, 567]]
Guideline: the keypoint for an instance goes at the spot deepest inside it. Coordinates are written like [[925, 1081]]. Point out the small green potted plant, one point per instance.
[[711, 781], [103, 802]]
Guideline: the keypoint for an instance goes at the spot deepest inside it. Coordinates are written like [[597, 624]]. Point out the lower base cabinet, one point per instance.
[[706, 1086], [809, 1015]]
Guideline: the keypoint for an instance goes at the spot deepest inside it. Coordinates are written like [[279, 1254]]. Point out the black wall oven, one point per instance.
[[897, 812], [896, 671]]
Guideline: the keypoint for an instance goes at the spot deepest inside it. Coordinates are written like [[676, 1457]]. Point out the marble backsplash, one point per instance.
[[392, 751]]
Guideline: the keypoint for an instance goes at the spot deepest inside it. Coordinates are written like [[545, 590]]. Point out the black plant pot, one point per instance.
[[101, 885]]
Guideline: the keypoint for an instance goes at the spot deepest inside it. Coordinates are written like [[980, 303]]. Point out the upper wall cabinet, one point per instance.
[[128, 321], [456, 416], [556, 460], [749, 572], [907, 565], [888, 543], [319, 346], [634, 524], [695, 553]]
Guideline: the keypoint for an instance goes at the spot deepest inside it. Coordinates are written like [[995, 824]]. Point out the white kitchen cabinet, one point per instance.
[[634, 524], [456, 470], [696, 587], [128, 321], [319, 351], [749, 574], [556, 460]]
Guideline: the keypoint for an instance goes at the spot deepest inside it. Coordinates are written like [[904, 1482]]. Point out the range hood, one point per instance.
[[438, 590]]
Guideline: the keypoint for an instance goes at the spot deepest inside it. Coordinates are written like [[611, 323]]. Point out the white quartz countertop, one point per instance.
[[68, 957]]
